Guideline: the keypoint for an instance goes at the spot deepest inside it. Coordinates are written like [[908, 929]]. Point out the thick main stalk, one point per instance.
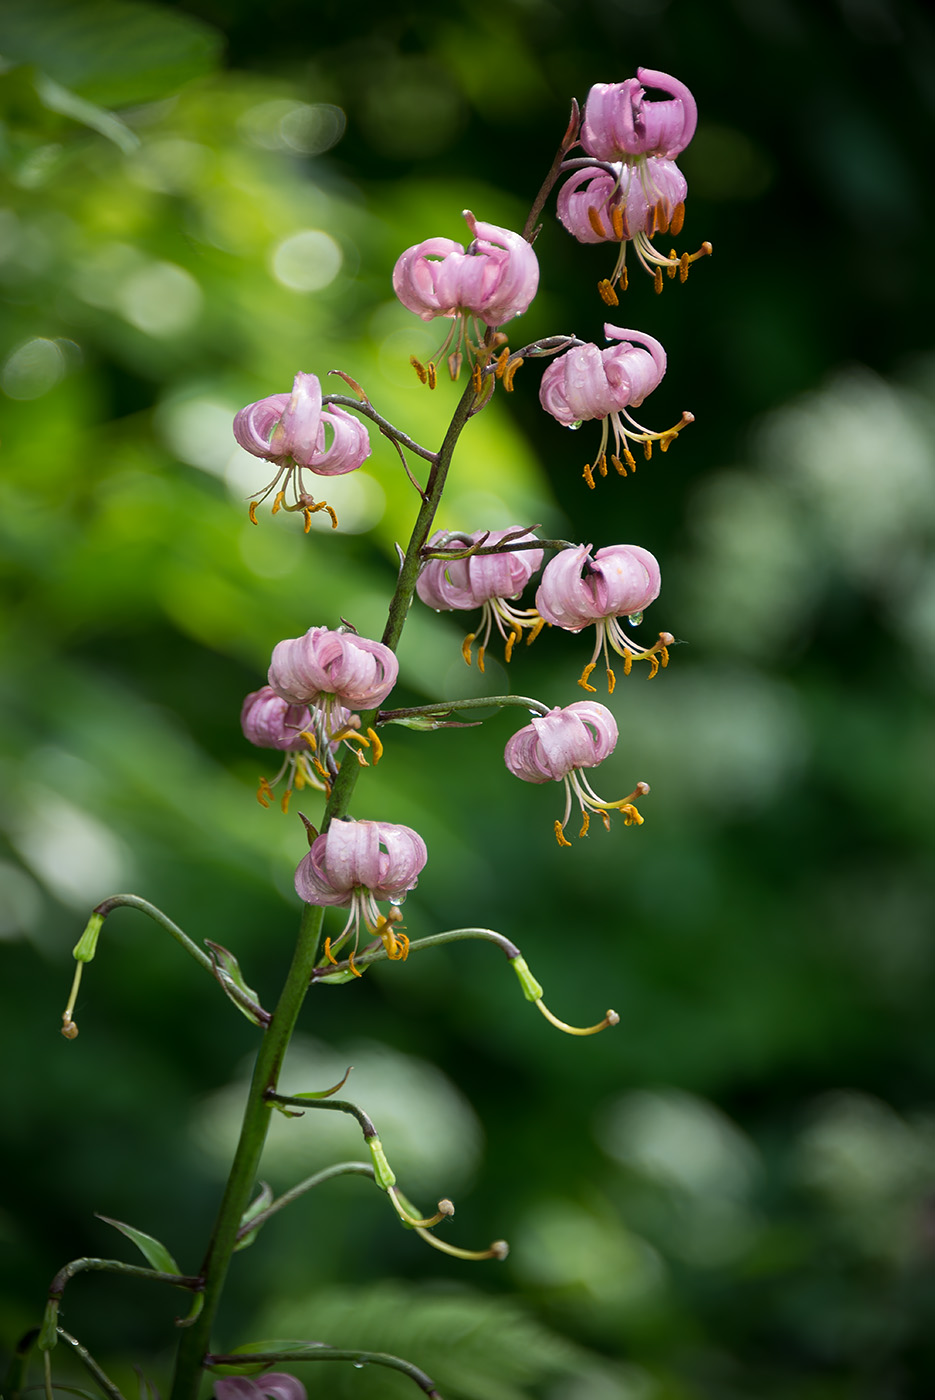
[[196, 1341]]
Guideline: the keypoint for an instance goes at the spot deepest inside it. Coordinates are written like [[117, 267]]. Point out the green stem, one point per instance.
[[317, 1351], [478, 702], [90, 1365], [309, 1184], [195, 1343]]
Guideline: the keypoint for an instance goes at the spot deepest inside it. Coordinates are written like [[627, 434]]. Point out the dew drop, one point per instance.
[[574, 426], [359, 1365], [635, 619]]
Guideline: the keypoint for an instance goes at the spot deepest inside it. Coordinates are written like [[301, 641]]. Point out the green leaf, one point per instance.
[[155, 1253], [227, 971], [113, 53], [253, 1210]]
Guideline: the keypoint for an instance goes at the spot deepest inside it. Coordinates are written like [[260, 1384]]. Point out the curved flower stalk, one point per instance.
[[557, 746], [291, 431], [306, 736], [629, 204], [493, 281], [485, 581], [587, 383], [578, 589], [619, 123], [355, 864]]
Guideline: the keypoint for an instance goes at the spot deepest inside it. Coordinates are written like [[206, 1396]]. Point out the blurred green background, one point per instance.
[[732, 1195]]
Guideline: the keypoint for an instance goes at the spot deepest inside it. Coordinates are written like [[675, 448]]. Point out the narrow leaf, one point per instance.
[[155, 1253]]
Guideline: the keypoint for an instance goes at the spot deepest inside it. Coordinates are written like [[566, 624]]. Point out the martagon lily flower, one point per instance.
[[484, 581], [302, 735], [578, 589], [638, 190], [629, 205], [291, 431], [355, 864], [587, 383], [557, 746], [492, 281], [619, 123]]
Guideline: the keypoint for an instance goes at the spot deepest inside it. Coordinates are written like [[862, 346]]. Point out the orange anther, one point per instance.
[[560, 835], [585, 674], [588, 475], [252, 512], [466, 646], [657, 279], [432, 374], [594, 219], [618, 465], [607, 293], [677, 220], [616, 218], [419, 368], [585, 823], [611, 681]]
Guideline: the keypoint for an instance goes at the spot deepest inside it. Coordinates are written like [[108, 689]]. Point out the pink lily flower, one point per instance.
[[291, 430], [493, 281], [620, 123], [629, 207], [355, 864], [483, 581], [326, 668], [587, 383], [618, 581], [557, 746], [301, 734]]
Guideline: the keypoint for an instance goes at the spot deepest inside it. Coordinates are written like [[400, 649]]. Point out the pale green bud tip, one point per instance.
[[385, 1176], [532, 991], [86, 946]]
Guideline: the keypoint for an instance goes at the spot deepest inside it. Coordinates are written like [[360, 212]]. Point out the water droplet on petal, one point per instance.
[[359, 1365], [574, 426], [635, 619]]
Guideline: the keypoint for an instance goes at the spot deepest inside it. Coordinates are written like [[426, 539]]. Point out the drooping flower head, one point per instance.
[[482, 581], [620, 123], [326, 666], [291, 430], [492, 281], [303, 737], [355, 864], [628, 206], [587, 383], [273, 1385], [556, 746], [578, 589], [639, 190]]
